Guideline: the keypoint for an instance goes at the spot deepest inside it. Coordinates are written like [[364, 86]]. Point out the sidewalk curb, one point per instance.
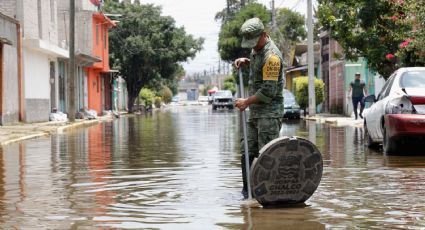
[[27, 137], [20, 132], [336, 121]]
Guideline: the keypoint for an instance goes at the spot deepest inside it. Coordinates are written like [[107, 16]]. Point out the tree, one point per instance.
[[147, 96], [157, 101], [411, 50], [166, 94], [147, 48], [230, 84], [229, 38], [290, 30], [301, 91], [367, 28]]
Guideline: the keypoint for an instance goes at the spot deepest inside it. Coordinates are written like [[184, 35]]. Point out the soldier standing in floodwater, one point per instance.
[[266, 84]]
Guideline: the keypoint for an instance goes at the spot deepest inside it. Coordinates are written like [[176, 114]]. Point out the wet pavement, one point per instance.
[[179, 169]]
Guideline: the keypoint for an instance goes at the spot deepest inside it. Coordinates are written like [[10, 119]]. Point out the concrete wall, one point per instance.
[[40, 20], [10, 110], [37, 90], [10, 83], [8, 7], [83, 24]]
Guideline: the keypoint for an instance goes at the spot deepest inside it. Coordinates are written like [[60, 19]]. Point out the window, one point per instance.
[[104, 38], [386, 89], [413, 79], [52, 10], [390, 85], [325, 41], [97, 34]]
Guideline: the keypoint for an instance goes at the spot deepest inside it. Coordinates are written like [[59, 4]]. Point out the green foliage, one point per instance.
[[291, 30], [301, 91], [205, 91], [157, 102], [147, 96], [166, 94], [372, 29], [411, 51], [147, 48], [230, 84], [229, 39]]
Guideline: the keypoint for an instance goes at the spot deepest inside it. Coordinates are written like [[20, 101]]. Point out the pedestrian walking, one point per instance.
[[357, 91], [266, 84]]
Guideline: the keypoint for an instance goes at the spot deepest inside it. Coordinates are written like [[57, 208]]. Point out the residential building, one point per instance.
[[11, 91], [99, 74], [338, 73], [119, 94], [332, 74], [94, 80], [298, 66], [42, 53]]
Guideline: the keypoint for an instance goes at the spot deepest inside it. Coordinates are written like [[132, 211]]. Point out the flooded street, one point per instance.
[[180, 169]]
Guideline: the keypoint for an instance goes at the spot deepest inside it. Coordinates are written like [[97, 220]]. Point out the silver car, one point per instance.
[[223, 99]]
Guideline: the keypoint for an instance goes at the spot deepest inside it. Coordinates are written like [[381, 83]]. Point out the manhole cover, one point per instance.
[[287, 171]]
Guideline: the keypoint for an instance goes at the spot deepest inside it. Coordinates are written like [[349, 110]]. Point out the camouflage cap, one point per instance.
[[251, 31]]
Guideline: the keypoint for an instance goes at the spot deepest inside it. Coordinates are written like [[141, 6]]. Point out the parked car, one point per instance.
[[397, 115], [175, 99], [291, 107], [222, 99], [203, 99]]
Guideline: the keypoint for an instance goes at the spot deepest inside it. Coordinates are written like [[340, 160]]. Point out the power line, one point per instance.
[[281, 3], [296, 4]]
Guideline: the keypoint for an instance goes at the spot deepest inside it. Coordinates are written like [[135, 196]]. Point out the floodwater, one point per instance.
[[179, 169]]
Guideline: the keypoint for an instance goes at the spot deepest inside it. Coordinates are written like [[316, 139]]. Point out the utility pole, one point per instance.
[[273, 16], [228, 9], [71, 77], [310, 60]]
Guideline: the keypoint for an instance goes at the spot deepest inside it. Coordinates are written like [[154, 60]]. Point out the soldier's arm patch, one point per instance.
[[271, 68]]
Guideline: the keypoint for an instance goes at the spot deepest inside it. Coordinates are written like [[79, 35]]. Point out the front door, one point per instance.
[[52, 86], [107, 92], [1, 82], [62, 88]]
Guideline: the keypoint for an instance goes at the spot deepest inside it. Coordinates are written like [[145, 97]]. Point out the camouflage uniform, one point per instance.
[[266, 82]]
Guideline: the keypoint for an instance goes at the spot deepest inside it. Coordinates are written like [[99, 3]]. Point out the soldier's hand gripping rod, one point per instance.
[[245, 137]]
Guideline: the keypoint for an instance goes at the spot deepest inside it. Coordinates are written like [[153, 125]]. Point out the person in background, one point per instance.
[[357, 91], [266, 84]]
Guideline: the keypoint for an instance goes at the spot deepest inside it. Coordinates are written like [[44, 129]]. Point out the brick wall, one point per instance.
[[336, 79], [30, 22], [40, 20], [83, 25]]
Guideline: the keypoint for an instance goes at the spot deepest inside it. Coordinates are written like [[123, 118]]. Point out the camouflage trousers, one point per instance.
[[260, 132]]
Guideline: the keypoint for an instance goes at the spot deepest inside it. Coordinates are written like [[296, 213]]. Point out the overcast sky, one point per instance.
[[197, 17]]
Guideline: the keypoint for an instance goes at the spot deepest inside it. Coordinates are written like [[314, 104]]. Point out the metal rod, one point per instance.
[[245, 137]]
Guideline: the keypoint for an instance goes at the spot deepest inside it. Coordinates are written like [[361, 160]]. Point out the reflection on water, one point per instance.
[[179, 169]]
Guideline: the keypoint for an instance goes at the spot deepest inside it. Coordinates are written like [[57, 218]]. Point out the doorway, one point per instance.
[[52, 87], [1, 82], [62, 88]]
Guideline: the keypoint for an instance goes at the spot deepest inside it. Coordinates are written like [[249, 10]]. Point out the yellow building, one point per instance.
[[297, 64]]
